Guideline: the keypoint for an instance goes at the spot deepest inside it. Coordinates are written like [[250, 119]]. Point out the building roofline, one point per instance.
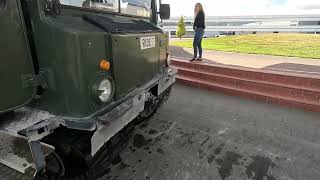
[[258, 16]]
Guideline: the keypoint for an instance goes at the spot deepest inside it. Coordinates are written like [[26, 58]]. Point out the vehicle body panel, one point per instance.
[[133, 66], [60, 53], [16, 59], [69, 48]]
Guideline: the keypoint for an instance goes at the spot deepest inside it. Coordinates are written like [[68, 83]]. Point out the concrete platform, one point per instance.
[[275, 63], [200, 135]]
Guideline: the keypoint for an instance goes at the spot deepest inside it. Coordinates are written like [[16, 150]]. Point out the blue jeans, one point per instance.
[[197, 42]]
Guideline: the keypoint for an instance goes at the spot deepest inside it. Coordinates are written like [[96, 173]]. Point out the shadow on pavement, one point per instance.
[[292, 67], [179, 52]]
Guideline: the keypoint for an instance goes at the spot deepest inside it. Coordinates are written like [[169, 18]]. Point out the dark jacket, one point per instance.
[[199, 21]]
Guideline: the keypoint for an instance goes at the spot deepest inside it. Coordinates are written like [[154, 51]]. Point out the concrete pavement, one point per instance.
[[200, 135], [277, 63]]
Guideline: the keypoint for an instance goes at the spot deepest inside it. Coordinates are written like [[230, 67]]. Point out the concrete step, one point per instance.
[[267, 98], [303, 81], [292, 94], [307, 96], [241, 78]]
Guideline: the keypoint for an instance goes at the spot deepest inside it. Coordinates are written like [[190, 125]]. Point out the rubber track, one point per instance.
[[118, 142]]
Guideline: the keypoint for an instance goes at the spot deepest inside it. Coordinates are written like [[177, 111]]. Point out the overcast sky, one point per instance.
[[245, 7]]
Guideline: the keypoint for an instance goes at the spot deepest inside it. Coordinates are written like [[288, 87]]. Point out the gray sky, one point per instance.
[[245, 7]]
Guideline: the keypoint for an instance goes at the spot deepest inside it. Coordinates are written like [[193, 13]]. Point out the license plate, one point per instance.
[[147, 42]]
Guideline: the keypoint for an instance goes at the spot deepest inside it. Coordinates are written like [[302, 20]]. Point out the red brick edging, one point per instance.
[[292, 90]]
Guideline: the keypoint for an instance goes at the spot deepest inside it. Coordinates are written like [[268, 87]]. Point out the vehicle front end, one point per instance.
[[104, 64]]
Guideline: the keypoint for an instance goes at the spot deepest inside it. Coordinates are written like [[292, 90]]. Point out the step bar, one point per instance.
[[19, 154], [20, 140]]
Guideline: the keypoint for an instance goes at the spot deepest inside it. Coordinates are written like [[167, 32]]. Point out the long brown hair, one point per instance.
[[200, 9]]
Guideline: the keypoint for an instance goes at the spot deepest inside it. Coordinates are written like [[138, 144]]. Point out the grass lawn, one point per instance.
[[292, 45]]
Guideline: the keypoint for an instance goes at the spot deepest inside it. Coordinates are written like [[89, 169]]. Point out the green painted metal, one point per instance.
[[68, 49], [133, 66], [15, 58]]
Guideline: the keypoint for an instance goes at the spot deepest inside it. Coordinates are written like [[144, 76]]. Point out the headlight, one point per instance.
[[169, 58], [105, 90]]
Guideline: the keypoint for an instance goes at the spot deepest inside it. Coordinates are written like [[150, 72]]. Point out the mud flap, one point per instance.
[[17, 157], [112, 122], [167, 81]]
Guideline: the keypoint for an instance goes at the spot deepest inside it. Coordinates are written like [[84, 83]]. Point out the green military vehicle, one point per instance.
[[75, 73]]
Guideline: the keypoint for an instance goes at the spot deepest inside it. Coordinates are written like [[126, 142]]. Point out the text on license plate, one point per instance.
[[147, 42]]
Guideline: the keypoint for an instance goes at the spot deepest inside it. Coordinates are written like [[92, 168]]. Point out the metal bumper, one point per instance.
[[115, 120], [21, 133]]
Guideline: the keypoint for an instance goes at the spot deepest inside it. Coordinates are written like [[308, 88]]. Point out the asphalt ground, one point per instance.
[[201, 135]]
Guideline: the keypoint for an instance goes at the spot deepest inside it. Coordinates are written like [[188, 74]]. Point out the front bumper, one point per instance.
[[35, 124], [112, 122]]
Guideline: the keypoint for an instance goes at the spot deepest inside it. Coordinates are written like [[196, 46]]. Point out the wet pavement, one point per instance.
[[200, 135]]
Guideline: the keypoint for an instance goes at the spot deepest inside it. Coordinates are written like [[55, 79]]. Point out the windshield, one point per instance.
[[131, 7], [105, 5], [136, 7]]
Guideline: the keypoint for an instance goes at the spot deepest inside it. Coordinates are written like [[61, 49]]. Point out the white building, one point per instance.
[[250, 24]]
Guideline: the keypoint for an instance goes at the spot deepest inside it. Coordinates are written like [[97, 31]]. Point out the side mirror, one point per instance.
[[164, 11]]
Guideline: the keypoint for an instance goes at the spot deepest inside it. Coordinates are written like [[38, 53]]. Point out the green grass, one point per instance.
[[290, 45]]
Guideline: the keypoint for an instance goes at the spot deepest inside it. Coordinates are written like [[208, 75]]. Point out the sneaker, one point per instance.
[[194, 59], [199, 59]]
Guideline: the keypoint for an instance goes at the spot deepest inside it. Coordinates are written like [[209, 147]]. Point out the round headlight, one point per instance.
[[105, 90]]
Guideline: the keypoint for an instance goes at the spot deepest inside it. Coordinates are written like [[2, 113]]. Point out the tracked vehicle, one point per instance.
[[74, 74]]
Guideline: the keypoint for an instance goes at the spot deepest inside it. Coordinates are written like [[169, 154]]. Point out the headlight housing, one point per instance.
[[103, 89]]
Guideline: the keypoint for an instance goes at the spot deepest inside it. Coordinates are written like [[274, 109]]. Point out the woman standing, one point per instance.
[[198, 26]]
